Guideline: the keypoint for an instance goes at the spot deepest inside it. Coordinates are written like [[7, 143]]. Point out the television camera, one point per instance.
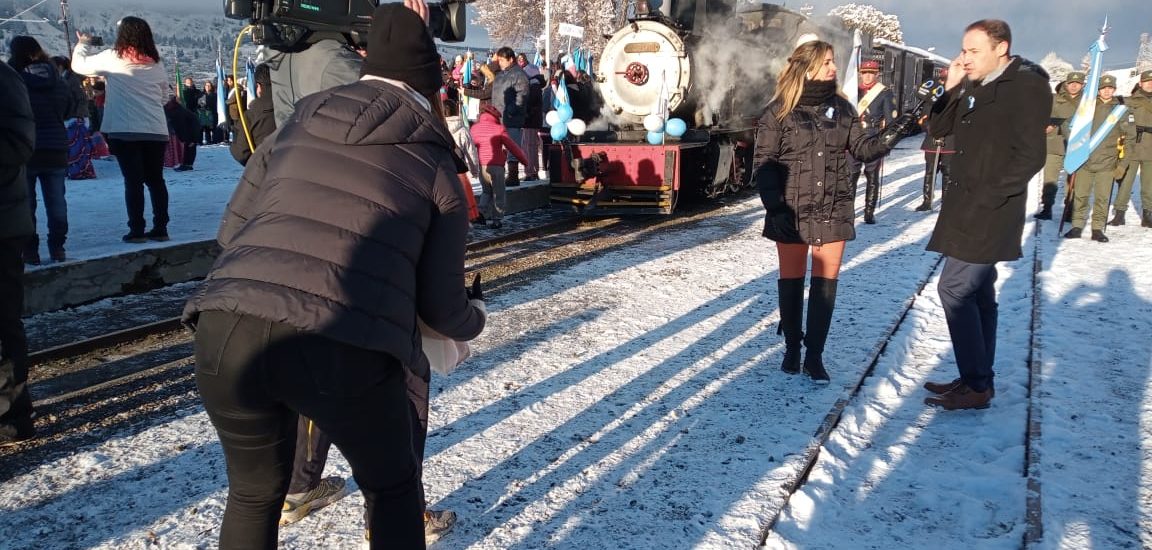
[[287, 25]]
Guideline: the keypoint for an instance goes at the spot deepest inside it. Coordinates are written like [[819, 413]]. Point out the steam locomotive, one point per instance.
[[713, 63]]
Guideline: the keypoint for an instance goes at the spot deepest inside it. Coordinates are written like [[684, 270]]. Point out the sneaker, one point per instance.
[[32, 257], [134, 237], [961, 398], [11, 435], [157, 235], [57, 254], [437, 523], [299, 505]]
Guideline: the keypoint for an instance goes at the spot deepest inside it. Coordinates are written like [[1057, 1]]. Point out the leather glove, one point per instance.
[[474, 291], [899, 129]]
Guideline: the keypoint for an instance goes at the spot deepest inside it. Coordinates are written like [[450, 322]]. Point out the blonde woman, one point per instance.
[[802, 171]]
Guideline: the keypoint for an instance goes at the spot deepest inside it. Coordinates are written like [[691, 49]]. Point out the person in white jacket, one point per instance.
[[134, 120]]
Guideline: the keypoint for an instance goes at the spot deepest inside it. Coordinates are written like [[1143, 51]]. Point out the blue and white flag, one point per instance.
[[1080, 128], [466, 73], [250, 76], [851, 87], [589, 71], [537, 60], [221, 95], [561, 96], [1110, 122]]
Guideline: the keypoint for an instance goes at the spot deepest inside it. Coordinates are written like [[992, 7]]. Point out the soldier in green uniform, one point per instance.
[[1137, 153], [1098, 173], [1063, 107]]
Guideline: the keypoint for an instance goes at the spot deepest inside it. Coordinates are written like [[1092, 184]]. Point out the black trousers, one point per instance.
[[142, 163], [189, 154], [312, 444], [15, 399], [255, 376]]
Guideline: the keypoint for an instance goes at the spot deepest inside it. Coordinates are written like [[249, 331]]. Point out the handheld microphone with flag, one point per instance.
[[928, 92]]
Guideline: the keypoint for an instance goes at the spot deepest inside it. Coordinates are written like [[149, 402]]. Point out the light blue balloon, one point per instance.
[[565, 112], [675, 127], [559, 132], [655, 138]]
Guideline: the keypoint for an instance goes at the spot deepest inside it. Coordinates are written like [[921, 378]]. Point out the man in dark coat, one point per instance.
[[996, 108], [510, 97], [260, 117], [17, 142]]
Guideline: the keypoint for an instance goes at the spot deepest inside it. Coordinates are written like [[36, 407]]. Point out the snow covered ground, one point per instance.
[[634, 400]]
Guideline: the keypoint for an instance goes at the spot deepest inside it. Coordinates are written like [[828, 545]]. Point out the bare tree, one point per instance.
[[869, 20], [1056, 66], [520, 23]]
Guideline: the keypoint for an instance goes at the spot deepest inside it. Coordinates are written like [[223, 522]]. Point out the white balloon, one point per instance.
[[654, 123], [577, 127], [552, 118]]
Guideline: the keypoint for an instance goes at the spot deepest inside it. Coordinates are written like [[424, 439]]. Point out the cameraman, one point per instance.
[[326, 61]]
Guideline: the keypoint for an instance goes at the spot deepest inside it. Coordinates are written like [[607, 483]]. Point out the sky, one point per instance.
[[633, 399], [1038, 27], [1064, 26]]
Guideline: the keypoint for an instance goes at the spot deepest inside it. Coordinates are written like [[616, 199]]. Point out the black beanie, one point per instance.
[[401, 48]]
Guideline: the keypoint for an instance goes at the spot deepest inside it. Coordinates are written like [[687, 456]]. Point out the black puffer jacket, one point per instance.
[[802, 171], [17, 140], [49, 96], [349, 225]]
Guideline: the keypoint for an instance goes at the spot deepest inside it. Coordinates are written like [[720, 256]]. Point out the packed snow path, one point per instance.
[[635, 400]]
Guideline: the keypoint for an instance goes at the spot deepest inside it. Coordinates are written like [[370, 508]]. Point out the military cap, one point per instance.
[[1107, 81], [869, 66], [1146, 76], [1074, 76]]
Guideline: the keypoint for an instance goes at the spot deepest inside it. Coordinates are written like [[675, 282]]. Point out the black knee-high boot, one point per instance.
[[929, 183], [871, 193], [821, 303], [791, 322]]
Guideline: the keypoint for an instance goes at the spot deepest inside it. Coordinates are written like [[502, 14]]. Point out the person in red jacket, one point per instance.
[[491, 139]]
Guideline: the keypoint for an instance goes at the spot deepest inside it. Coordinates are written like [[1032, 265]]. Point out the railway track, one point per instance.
[[1033, 531]]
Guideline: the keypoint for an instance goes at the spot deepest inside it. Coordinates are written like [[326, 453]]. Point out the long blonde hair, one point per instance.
[[805, 59]]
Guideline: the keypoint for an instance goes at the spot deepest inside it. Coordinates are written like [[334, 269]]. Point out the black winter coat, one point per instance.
[[261, 118], [184, 124], [17, 141], [50, 97], [802, 170], [535, 117], [1000, 145], [349, 225]]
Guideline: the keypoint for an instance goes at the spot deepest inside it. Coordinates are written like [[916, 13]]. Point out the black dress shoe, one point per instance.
[[1099, 236]]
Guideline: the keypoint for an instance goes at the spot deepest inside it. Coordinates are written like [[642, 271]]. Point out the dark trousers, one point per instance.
[[142, 163], [55, 206], [312, 444], [968, 294], [15, 399], [871, 182], [189, 154], [256, 376]]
